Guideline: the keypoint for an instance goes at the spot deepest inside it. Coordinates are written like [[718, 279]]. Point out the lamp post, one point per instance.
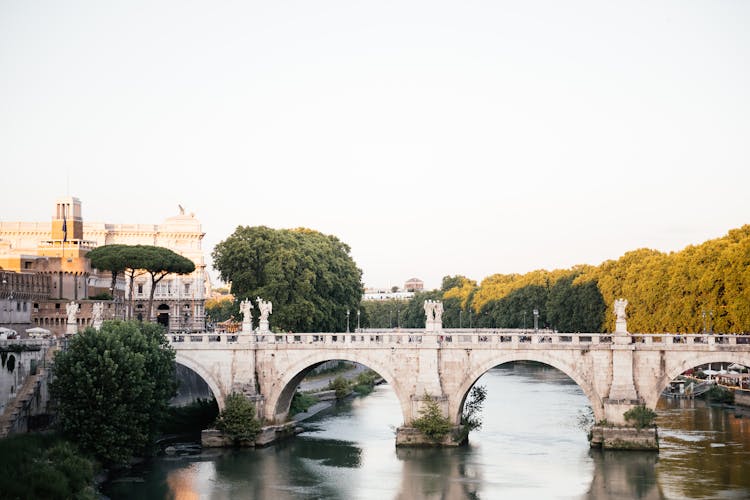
[[347, 321], [536, 320], [703, 314], [398, 318], [459, 318], [358, 314], [524, 319]]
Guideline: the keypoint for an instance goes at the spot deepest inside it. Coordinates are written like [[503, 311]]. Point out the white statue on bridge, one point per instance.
[[72, 309], [97, 310], [246, 308], [433, 310], [621, 324], [266, 308]]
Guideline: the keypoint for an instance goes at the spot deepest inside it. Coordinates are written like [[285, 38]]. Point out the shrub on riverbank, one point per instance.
[[44, 466], [341, 386], [365, 382], [237, 421], [718, 394], [301, 401]]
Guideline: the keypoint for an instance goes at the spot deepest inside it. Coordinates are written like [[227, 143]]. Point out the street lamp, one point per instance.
[[536, 320], [459, 318], [347, 321], [358, 313], [524, 319]]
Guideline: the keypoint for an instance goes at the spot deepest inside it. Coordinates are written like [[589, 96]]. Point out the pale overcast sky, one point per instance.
[[433, 137]]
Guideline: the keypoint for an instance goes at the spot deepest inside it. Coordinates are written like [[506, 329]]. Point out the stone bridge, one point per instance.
[[616, 371]]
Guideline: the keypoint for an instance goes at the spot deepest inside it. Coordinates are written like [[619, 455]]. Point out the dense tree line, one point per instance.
[[703, 287], [308, 276]]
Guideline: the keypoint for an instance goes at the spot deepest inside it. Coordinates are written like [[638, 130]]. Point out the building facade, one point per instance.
[[58, 250]]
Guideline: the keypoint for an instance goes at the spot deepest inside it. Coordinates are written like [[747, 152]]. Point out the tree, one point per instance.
[[237, 421], [221, 309], [310, 277], [112, 388], [110, 258], [159, 262]]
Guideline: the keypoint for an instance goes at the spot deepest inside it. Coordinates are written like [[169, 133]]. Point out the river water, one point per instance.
[[530, 446]]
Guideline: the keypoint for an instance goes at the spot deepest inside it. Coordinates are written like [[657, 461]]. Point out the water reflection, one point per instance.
[[530, 447]]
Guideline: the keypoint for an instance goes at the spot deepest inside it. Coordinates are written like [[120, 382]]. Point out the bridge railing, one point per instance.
[[506, 338]]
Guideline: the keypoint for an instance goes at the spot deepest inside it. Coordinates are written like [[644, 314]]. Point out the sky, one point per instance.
[[434, 138]]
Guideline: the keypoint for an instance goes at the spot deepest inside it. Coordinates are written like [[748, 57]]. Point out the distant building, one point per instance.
[[58, 250], [414, 285], [387, 295]]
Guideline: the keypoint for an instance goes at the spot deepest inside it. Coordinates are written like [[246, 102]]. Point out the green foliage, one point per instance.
[[158, 262], [196, 416], [718, 394], [382, 313], [44, 466], [101, 296], [301, 402], [310, 277], [238, 420], [640, 416], [218, 310], [365, 382], [470, 417], [341, 386], [431, 421], [112, 388]]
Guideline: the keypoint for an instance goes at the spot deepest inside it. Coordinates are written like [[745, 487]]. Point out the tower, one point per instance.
[[67, 223]]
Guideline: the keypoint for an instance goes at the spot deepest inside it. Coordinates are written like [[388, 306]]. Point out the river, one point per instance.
[[531, 446]]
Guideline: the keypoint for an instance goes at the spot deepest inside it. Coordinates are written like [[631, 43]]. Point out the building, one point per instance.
[[414, 285], [58, 250]]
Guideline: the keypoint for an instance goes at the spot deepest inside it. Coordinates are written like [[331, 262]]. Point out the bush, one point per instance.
[[431, 422], [237, 421], [44, 466], [640, 417], [718, 394], [301, 402], [341, 386]]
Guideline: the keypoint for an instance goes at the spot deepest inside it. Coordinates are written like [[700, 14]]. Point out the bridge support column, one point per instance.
[[615, 433]]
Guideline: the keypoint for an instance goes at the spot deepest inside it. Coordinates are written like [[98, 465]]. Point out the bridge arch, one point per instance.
[[280, 395], [568, 368], [680, 365], [202, 373]]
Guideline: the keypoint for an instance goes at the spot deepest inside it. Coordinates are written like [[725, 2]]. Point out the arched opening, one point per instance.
[[703, 415], [567, 368], [195, 406], [532, 416], [162, 315], [282, 395]]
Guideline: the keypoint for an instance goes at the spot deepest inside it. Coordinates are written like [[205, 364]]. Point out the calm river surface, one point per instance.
[[530, 446]]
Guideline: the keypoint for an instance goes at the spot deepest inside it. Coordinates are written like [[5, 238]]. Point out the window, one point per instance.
[[25, 307], [140, 288], [187, 288], [27, 265], [57, 306]]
